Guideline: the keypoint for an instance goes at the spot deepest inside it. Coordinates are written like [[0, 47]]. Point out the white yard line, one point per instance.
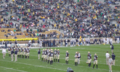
[[99, 62], [36, 65], [55, 68], [12, 69]]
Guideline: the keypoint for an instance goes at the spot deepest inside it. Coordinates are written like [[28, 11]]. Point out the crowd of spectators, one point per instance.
[[83, 18]]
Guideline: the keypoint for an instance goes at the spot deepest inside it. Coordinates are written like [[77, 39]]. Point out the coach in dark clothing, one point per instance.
[[39, 54], [53, 43], [43, 43], [15, 43], [5, 44], [113, 57], [68, 42], [112, 48], [33, 41], [47, 43]]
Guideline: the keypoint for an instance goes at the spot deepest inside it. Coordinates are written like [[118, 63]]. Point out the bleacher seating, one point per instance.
[[24, 34]]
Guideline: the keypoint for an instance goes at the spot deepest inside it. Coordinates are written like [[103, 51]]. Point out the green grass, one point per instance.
[[34, 65]]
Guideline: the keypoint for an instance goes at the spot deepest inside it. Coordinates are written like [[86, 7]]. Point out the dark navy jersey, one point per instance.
[[113, 56], [38, 51], [112, 47], [95, 57], [12, 52], [15, 42], [51, 54], [16, 52], [67, 54], [89, 56]]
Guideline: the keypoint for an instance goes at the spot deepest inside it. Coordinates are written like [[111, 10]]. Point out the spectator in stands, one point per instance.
[[12, 33]]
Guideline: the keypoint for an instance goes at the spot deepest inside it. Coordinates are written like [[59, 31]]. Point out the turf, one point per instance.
[[34, 65]]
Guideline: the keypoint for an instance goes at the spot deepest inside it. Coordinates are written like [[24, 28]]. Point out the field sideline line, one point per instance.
[[80, 60], [12, 69], [35, 65], [54, 68]]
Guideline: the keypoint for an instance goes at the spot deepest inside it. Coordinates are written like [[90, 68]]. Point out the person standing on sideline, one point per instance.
[[118, 40], [39, 54], [12, 51], [49, 56], [79, 56], [16, 55], [113, 58], [76, 59], [4, 53], [112, 48], [40, 43], [95, 62], [67, 57], [107, 57], [110, 62], [55, 55]]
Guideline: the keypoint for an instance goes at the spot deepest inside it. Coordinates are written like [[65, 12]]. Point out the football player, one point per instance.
[[12, 51], [27, 52], [95, 62], [55, 55], [78, 56], [89, 59], [76, 59], [51, 57], [67, 57], [16, 52], [58, 55], [43, 54]]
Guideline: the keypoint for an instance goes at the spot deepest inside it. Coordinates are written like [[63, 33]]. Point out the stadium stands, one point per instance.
[[59, 19]]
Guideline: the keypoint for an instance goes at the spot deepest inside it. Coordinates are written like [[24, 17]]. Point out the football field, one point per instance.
[[34, 65]]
